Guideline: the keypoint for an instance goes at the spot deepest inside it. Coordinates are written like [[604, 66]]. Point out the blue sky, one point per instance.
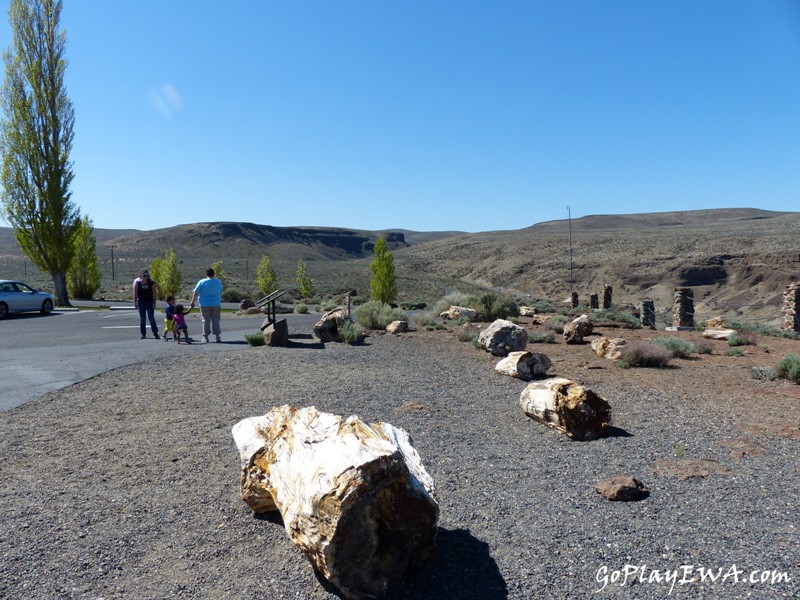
[[465, 115]]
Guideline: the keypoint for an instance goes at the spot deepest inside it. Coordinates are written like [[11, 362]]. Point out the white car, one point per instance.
[[16, 296]]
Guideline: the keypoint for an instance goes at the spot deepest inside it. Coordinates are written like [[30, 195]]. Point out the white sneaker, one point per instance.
[[205, 339]]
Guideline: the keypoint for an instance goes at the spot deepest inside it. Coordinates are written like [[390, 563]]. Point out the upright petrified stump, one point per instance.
[[683, 308], [594, 302], [791, 308], [568, 407], [607, 290], [574, 300], [648, 313], [354, 497]]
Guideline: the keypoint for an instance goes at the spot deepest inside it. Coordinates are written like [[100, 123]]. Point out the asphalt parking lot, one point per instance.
[[45, 353]]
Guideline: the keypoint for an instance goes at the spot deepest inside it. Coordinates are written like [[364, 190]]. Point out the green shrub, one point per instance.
[[734, 352], [763, 329], [789, 368], [543, 306], [702, 349], [613, 315], [255, 339], [741, 340], [351, 334], [541, 338], [467, 332], [427, 319], [763, 373], [234, 295], [377, 315], [493, 306], [301, 308], [556, 323], [453, 299], [328, 304], [645, 354], [682, 348], [477, 344]]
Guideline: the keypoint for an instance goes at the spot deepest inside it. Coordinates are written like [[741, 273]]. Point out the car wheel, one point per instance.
[[3, 310], [47, 307]]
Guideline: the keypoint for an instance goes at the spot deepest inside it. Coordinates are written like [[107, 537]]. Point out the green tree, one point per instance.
[[84, 276], [304, 280], [36, 136], [383, 285], [266, 278], [165, 273], [219, 273]]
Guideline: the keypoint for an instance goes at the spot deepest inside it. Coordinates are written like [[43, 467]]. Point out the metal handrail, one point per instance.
[[270, 298]]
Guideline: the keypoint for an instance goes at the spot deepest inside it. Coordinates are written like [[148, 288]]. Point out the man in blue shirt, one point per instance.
[[209, 293]]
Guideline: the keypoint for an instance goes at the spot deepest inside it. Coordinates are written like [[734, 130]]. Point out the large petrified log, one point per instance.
[[354, 497], [568, 407]]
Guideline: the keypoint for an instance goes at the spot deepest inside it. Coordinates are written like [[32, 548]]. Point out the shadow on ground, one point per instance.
[[461, 568]]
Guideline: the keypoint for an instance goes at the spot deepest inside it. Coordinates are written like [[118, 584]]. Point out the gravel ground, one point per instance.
[[126, 485]]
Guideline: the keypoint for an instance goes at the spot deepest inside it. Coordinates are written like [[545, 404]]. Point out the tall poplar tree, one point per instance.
[[383, 285], [36, 135]]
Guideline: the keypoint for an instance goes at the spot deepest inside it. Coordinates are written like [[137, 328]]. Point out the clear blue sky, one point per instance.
[[454, 115]]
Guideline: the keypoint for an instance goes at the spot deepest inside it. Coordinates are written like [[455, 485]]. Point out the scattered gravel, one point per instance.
[[126, 485]]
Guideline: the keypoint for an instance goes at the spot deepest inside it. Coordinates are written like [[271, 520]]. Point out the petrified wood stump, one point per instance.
[[568, 407], [354, 497]]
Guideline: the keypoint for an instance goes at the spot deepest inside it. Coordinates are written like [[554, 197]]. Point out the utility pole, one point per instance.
[[113, 278], [569, 220]]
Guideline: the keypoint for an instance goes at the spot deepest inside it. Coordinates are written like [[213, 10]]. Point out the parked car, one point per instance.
[[16, 296]]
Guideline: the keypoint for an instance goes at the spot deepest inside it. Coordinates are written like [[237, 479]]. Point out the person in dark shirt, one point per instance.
[[144, 300]]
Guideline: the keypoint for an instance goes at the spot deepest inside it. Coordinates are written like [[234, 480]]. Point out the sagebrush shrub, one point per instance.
[[556, 323], [467, 332], [351, 334], [741, 340], [255, 339], [618, 316], [734, 352], [377, 315], [763, 329], [427, 319], [645, 354], [541, 338], [301, 308], [789, 368], [453, 299], [762, 373], [681, 348]]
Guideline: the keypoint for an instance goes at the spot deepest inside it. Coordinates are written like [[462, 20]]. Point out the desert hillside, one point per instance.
[[738, 260]]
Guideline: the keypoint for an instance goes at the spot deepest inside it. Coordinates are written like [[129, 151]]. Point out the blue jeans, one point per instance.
[[146, 311]]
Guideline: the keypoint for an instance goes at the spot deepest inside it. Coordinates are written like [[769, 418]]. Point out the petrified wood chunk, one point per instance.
[[397, 327], [718, 333], [354, 497], [502, 337], [328, 327], [577, 329], [455, 313], [568, 407], [524, 365], [609, 348]]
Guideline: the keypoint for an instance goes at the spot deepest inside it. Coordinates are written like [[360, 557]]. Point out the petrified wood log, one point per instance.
[[568, 407], [354, 497]]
